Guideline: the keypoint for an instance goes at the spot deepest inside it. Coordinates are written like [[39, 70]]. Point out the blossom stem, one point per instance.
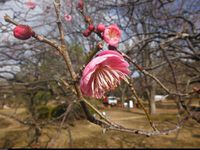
[[97, 111], [141, 105], [64, 51]]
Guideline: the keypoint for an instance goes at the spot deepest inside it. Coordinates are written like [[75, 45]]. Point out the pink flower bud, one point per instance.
[[87, 32], [80, 4], [91, 27], [68, 18], [30, 4], [100, 27], [69, 3], [23, 32]]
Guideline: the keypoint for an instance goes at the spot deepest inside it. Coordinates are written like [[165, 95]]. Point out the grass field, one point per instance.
[[86, 135]]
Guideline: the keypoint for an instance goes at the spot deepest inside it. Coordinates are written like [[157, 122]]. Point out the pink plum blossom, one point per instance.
[[68, 17], [112, 35], [30, 4], [103, 73]]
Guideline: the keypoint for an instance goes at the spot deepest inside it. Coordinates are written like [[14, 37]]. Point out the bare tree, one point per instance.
[[160, 41]]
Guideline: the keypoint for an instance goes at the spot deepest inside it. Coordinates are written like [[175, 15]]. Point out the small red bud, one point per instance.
[[91, 27], [30, 4], [87, 32], [100, 27], [23, 32], [80, 4]]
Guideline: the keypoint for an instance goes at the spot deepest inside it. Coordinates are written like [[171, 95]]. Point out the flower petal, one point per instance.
[[103, 73]]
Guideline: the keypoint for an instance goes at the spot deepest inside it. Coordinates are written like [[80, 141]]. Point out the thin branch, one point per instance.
[[141, 105], [63, 51]]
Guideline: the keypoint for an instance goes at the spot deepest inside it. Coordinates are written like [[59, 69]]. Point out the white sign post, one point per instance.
[[130, 104]]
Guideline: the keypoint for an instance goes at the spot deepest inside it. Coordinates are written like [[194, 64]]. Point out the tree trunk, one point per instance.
[[123, 94], [152, 108]]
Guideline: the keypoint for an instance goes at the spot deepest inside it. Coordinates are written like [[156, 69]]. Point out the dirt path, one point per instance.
[[87, 135], [128, 118]]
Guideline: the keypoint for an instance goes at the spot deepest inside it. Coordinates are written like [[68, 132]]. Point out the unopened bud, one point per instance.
[[30, 4], [80, 4], [87, 32], [91, 27], [23, 32], [100, 27]]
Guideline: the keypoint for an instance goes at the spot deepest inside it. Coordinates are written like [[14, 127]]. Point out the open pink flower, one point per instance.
[[112, 35], [103, 73], [30, 4], [68, 17]]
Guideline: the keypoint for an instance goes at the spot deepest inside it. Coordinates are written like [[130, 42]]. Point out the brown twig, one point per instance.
[[153, 133], [63, 51], [141, 69], [141, 105]]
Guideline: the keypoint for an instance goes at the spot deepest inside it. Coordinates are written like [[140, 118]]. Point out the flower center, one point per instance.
[[105, 79], [112, 33]]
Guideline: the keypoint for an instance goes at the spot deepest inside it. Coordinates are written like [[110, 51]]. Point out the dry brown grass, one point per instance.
[[87, 135]]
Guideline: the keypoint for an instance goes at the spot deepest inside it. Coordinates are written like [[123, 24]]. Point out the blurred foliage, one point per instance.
[[75, 114], [77, 55], [42, 97], [43, 112], [58, 110]]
